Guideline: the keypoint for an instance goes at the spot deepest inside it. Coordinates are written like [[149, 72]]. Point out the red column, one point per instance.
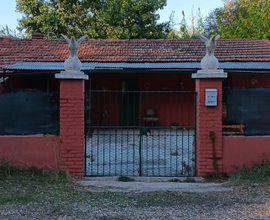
[[208, 119], [72, 125]]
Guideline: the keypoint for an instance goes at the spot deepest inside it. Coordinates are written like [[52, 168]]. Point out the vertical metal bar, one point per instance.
[[164, 135], [188, 132], [85, 142], [98, 136], [153, 139], [91, 100], [170, 133], [128, 116], [195, 131], [121, 153], [115, 134], [104, 136], [128, 108], [133, 139], [146, 144], [176, 138], [121, 135], [110, 124], [159, 136], [182, 113], [140, 144]]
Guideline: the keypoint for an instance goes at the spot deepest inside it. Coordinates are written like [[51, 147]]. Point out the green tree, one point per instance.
[[240, 19], [106, 19], [253, 21]]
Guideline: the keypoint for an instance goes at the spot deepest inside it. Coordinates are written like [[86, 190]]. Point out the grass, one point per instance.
[[54, 194], [37, 194], [21, 186], [258, 173]]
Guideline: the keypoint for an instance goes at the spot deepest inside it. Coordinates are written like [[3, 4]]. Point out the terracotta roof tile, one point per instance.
[[41, 50]]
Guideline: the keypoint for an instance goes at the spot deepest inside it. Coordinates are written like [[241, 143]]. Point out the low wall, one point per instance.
[[244, 150], [30, 150]]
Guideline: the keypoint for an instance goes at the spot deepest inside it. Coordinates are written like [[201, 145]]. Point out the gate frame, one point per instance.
[[87, 107]]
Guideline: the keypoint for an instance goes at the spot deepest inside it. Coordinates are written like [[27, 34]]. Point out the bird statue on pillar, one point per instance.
[[209, 62], [73, 63]]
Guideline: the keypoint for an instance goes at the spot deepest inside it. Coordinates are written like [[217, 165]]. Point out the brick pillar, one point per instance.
[[72, 122], [209, 118]]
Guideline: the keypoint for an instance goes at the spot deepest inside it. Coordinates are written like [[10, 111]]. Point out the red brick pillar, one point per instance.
[[209, 118], [72, 123]]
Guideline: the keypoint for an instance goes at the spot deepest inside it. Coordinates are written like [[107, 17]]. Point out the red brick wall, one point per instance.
[[208, 119], [72, 125], [24, 151], [241, 150]]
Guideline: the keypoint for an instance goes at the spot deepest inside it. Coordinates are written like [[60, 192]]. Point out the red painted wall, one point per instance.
[[170, 107], [241, 150], [30, 150]]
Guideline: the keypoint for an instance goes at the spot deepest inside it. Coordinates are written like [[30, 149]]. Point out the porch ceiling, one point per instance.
[[58, 66]]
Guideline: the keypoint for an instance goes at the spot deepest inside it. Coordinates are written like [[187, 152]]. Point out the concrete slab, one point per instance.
[[150, 184]]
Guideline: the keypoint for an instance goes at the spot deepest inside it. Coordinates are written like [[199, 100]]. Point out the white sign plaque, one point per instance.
[[210, 97]]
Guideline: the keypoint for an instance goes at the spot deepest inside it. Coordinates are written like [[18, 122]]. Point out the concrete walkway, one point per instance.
[[150, 184]]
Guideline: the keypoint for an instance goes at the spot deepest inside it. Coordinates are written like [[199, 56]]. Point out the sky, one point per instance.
[[9, 16]]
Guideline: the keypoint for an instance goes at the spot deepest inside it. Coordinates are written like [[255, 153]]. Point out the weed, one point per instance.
[[189, 180], [212, 177], [92, 157], [258, 173], [31, 173], [125, 179], [175, 153]]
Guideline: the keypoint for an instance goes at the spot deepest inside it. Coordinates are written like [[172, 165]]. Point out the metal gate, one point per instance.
[[140, 133]]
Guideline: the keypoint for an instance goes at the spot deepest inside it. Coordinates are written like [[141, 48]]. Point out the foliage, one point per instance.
[[32, 174], [258, 173], [211, 22], [252, 22], [7, 32], [186, 31], [111, 19], [240, 19]]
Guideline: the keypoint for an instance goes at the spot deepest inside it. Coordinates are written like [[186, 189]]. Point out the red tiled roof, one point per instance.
[[136, 51]]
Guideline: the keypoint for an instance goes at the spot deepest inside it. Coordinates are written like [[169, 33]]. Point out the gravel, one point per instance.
[[34, 200]]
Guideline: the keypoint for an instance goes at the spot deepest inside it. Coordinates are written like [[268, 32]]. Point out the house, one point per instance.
[[137, 90]]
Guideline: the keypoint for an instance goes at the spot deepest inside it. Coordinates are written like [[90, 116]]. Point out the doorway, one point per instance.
[[129, 102]]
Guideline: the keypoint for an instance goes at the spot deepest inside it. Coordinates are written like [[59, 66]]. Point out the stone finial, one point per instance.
[[73, 63], [209, 62]]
